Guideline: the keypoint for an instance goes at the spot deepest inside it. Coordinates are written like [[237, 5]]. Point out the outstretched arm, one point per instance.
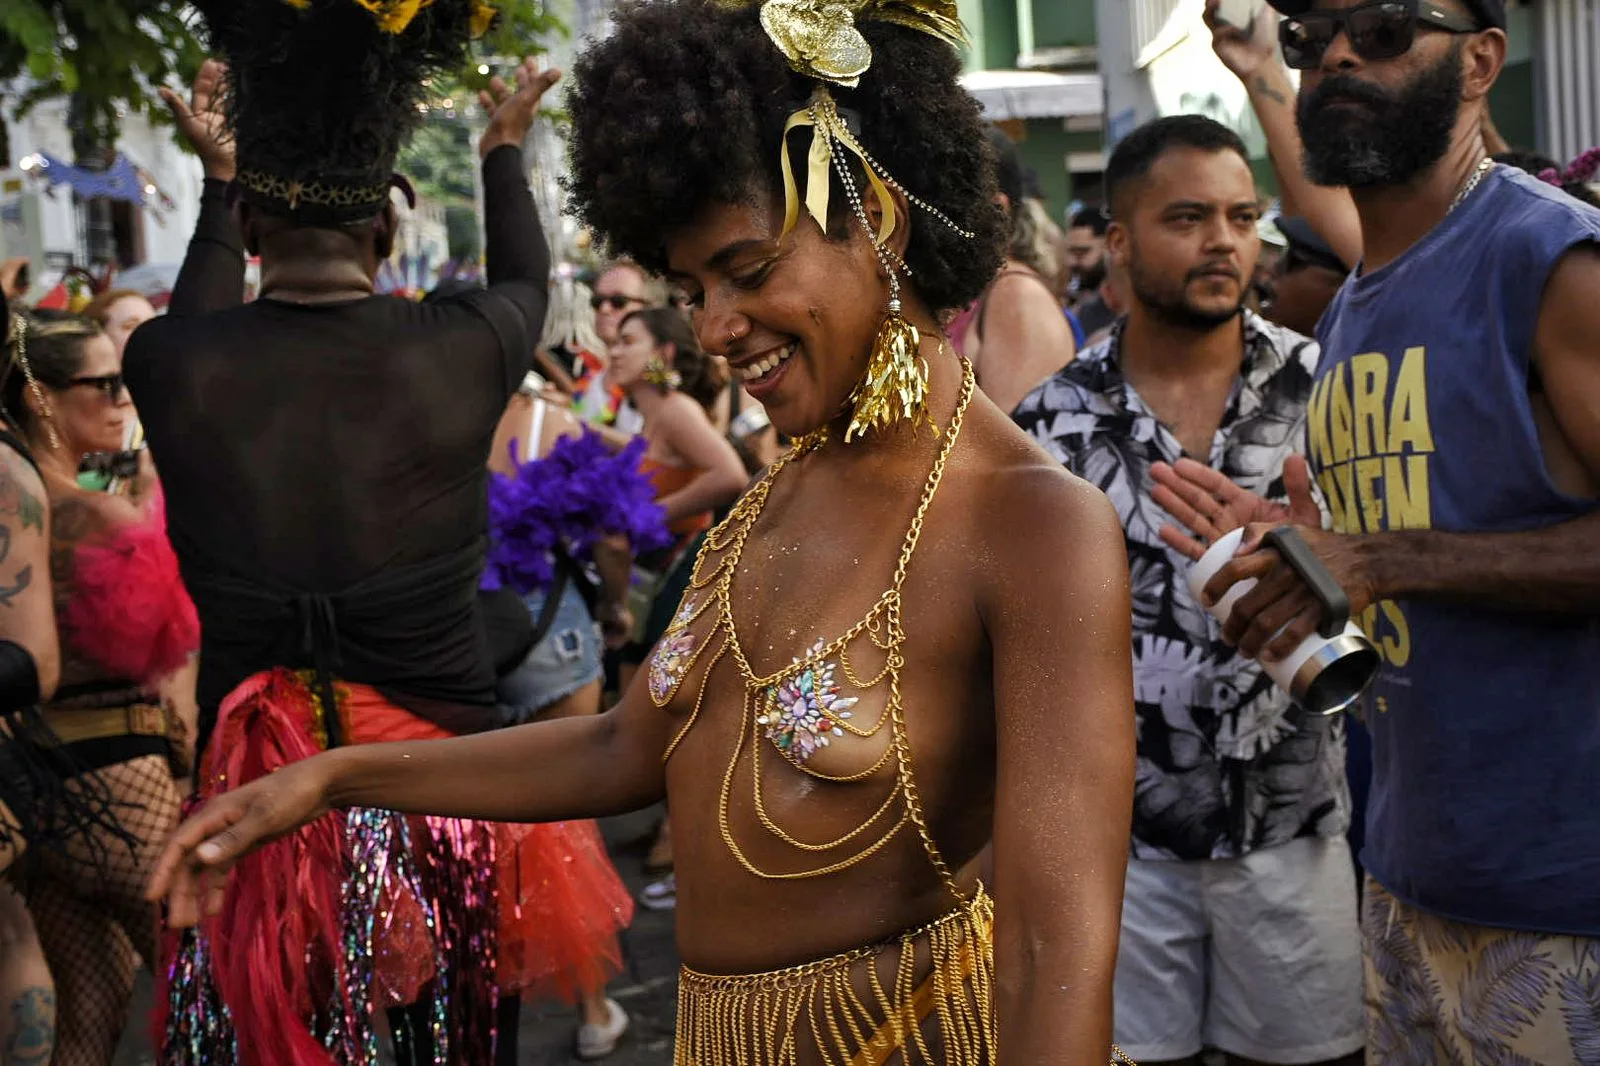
[[212, 276], [581, 767], [1059, 623], [516, 254]]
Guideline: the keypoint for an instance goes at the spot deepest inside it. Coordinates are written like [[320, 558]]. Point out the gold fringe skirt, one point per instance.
[[840, 1011]]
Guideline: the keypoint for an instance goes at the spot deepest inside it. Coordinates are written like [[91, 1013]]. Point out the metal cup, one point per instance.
[[1324, 675]]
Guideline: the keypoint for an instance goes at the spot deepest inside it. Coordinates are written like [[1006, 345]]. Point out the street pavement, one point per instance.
[[647, 988]]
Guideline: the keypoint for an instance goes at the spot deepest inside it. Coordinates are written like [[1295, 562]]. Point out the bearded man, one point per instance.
[[1454, 432]]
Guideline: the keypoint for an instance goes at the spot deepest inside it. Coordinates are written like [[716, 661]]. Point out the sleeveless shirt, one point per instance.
[[1485, 723]]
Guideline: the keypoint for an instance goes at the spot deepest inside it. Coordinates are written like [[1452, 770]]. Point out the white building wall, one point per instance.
[[1156, 59], [50, 223]]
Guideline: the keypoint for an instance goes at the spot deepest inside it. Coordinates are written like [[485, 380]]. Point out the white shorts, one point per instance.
[[1259, 957]]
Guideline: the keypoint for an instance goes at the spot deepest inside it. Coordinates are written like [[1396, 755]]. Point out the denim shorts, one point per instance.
[[567, 659]]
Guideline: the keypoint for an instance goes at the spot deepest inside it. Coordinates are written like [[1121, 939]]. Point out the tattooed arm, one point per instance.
[[27, 615]]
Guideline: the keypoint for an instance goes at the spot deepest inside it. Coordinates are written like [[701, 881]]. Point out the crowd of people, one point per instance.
[[849, 513]]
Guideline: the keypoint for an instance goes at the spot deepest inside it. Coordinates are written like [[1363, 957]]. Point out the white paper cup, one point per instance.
[[1323, 675]]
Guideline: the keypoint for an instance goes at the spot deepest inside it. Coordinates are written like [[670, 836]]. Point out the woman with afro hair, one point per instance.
[[903, 659]]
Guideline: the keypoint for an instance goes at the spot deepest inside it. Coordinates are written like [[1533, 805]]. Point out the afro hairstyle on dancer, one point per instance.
[[683, 108], [322, 94]]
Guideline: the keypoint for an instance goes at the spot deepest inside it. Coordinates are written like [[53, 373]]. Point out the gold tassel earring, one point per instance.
[[895, 387]]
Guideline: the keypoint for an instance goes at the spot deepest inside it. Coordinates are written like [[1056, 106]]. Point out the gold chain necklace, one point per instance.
[[1484, 166], [799, 707]]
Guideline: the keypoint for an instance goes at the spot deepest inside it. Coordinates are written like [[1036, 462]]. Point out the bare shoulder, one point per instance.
[[1031, 509], [77, 514], [1017, 292], [1569, 294], [682, 411]]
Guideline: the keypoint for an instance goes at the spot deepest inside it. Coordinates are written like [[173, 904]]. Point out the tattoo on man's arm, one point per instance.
[[33, 1027], [1264, 87]]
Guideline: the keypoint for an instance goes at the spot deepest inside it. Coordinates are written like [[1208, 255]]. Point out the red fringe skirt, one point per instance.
[[363, 910]]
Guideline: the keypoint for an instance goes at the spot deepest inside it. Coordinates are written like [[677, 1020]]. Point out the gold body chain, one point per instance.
[[799, 707], [818, 1011]]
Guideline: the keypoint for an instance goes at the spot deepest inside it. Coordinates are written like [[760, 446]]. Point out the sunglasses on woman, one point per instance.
[[111, 385], [615, 303], [1380, 30]]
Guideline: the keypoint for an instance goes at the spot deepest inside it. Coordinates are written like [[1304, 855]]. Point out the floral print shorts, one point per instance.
[[1444, 992]]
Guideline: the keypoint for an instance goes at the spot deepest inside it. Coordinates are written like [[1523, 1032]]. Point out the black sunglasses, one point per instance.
[[616, 303], [1380, 30], [109, 384]]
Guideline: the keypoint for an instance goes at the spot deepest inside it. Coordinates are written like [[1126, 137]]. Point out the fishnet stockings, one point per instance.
[[92, 917]]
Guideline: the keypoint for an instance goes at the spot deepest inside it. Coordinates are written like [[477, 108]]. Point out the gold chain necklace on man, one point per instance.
[[1484, 166]]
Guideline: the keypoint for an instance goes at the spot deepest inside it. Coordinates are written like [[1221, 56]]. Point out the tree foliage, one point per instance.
[[111, 54], [102, 53]]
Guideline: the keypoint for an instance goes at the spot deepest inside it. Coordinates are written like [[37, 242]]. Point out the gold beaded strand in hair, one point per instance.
[[19, 341]]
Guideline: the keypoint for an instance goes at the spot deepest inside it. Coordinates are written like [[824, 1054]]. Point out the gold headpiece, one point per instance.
[[821, 40]]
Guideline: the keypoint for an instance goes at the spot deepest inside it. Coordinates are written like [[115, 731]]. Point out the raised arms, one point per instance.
[[212, 276]]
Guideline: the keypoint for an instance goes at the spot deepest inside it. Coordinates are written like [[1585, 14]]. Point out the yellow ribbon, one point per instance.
[[827, 129]]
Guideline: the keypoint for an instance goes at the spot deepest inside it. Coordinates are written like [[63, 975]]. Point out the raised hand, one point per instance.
[[193, 870], [203, 120], [511, 112], [1245, 52], [1207, 505]]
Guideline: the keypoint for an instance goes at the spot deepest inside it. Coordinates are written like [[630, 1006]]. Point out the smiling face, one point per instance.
[[795, 321], [91, 411], [125, 316], [1188, 240]]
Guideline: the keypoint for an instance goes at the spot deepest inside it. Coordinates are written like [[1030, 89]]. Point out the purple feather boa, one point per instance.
[[578, 493]]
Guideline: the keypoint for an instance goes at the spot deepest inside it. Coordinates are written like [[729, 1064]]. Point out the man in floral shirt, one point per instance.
[[1239, 926]]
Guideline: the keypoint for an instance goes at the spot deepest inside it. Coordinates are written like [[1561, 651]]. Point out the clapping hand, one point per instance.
[[1207, 505]]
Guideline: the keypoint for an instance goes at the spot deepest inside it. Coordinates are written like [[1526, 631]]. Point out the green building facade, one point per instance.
[[1049, 47]]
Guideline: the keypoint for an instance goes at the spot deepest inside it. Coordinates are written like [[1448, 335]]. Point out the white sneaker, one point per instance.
[[598, 1041], [660, 895]]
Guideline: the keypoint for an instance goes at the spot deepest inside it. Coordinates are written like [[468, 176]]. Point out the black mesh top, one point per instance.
[[324, 466]]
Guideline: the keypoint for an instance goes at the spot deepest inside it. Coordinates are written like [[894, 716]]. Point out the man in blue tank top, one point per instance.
[[1455, 431]]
